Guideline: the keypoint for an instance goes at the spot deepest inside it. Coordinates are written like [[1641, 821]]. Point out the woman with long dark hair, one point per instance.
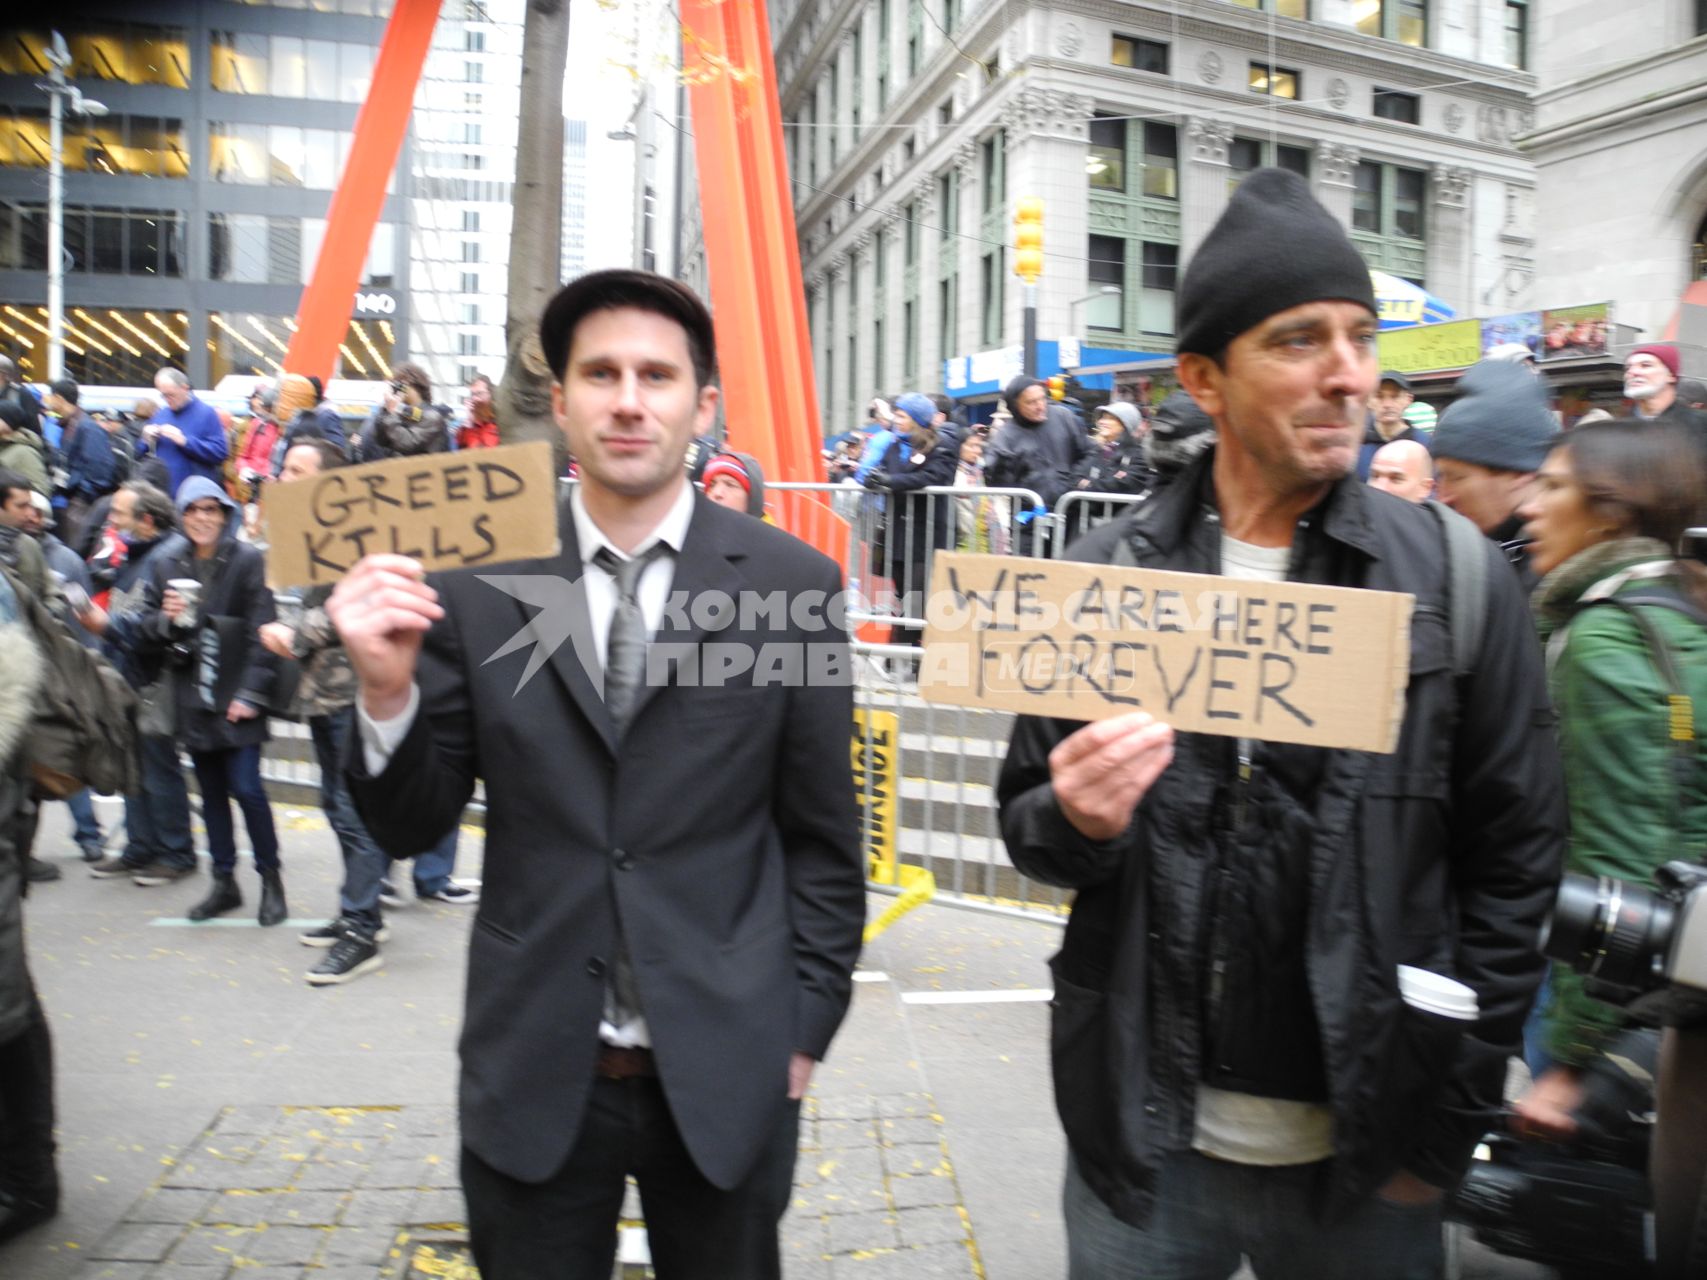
[[1618, 605]]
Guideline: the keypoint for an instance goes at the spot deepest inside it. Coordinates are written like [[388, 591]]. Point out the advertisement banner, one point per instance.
[[1568, 332], [1522, 328], [1454, 345]]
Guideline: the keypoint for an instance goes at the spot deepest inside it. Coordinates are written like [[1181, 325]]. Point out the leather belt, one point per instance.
[[625, 1064]]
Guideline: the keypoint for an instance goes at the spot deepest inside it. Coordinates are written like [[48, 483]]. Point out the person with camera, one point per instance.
[[406, 423], [1624, 619]]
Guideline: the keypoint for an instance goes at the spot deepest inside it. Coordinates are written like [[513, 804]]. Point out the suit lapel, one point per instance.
[[707, 566]]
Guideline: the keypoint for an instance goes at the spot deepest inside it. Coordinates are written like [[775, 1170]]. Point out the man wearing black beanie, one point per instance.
[[1237, 1071]]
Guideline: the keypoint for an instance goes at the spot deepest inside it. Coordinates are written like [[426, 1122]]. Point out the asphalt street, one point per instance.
[[218, 1117]]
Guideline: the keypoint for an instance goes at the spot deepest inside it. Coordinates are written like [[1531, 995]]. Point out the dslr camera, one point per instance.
[[1640, 948]]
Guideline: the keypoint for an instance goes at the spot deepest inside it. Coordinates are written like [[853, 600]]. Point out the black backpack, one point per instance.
[[84, 732]]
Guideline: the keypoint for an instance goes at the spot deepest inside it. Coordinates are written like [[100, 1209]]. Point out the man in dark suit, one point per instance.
[[673, 896]]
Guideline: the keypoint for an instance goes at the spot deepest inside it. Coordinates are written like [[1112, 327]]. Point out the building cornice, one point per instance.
[[1643, 67], [1583, 127]]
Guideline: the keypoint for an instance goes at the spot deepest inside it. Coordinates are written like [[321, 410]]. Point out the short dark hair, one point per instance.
[[66, 390], [319, 387], [14, 414], [943, 403], [330, 454], [10, 480], [415, 376], [152, 502], [624, 287], [480, 377]]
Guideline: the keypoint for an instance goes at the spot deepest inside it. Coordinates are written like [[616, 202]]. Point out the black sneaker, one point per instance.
[[328, 934], [353, 954], [389, 896], [460, 894], [159, 873], [38, 872], [93, 850]]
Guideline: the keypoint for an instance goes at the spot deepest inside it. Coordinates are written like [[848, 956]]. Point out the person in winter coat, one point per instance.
[[736, 481], [22, 450], [1236, 1069], [185, 433], [480, 431], [1115, 464], [221, 677], [1180, 432], [916, 523], [1038, 447], [1609, 510], [29, 1180], [407, 424], [263, 434]]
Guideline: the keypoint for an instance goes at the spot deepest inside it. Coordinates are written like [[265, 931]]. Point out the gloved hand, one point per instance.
[[877, 480]]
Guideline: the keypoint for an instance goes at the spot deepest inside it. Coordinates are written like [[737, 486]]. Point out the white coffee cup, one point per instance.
[[191, 591], [1433, 993]]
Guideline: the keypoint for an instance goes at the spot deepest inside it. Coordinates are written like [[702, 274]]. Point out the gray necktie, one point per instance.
[[625, 668], [625, 645]]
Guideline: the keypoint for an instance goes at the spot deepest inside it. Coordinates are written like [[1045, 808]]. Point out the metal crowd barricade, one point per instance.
[[1082, 510]]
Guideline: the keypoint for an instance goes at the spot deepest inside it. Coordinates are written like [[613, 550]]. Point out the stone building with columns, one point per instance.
[[914, 126]]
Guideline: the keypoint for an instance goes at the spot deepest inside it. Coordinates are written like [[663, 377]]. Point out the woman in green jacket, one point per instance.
[[1607, 518]]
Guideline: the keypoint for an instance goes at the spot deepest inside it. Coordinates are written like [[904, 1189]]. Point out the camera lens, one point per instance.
[[1609, 929]]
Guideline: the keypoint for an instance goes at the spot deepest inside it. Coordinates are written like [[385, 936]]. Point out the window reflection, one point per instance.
[[104, 346]]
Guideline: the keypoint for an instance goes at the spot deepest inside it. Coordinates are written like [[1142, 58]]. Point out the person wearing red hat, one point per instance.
[[1650, 381], [734, 480]]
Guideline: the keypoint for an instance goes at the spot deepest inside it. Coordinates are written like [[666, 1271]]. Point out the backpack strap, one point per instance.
[[1466, 587]]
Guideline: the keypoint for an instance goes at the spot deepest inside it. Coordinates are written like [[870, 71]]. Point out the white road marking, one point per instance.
[[1030, 996]]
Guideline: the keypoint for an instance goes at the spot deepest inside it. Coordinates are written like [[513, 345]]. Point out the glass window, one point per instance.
[[237, 247], [1244, 157], [238, 153], [380, 270], [239, 62], [145, 242], [1278, 82], [320, 159], [1517, 30], [99, 53], [1390, 104], [910, 338], [948, 203], [910, 236], [1285, 8], [284, 251], [1156, 292], [355, 71], [286, 159], [1161, 161], [993, 187], [243, 343], [106, 242], [1409, 189], [990, 297], [1366, 198], [1105, 161], [1293, 159], [1106, 270], [1139, 54], [948, 311], [1403, 20], [320, 70], [21, 53], [288, 72]]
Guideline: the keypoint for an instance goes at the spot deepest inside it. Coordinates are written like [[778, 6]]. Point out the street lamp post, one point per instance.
[[59, 93], [1101, 291]]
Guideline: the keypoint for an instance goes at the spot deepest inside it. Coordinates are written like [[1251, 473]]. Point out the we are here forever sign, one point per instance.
[[1281, 662]]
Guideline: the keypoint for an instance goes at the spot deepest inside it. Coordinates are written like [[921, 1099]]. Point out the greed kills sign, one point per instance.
[[1282, 662]]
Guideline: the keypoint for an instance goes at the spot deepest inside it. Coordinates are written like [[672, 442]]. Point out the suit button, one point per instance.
[[623, 859], [596, 967]]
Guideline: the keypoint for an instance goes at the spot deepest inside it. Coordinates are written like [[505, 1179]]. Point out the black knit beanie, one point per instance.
[[1015, 389], [1499, 420], [1274, 247]]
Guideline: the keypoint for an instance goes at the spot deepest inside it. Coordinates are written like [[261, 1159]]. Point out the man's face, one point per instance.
[[726, 491], [1484, 496], [627, 404], [122, 514], [57, 407], [1404, 473], [1390, 402], [1292, 394], [972, 449], [1032, 403], [204, 521], [34, 519], [174, 395], [479, 394], [1645, 377], [15, 508], [301, 462]]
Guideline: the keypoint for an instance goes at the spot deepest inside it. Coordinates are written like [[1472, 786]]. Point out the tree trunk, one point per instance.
[[536, 227]]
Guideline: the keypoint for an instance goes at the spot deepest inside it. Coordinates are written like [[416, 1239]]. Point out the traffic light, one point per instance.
[[1028, 239], [1057, 387]]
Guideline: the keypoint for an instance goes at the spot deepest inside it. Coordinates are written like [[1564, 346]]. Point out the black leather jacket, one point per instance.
[[1343, 865]]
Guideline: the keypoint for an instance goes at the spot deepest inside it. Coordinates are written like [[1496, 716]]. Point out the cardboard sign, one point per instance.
[[447, 510], [1282, 662]]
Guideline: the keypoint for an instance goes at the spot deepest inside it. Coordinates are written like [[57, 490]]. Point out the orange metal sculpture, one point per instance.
[[323, 316]]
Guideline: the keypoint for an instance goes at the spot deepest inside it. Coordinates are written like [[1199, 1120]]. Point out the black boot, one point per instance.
[[29, 1183], [221, 898], [273, 909]]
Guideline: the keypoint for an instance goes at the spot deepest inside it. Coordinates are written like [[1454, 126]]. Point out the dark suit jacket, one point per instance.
[[722, 827]]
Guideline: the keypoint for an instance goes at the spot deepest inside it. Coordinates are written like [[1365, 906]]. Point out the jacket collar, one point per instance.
[[1165, 522]]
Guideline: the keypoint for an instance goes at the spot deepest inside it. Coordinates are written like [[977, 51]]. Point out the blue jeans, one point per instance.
[[82, 806], [365, 862], [433, 868], [224, 776], [157, 818], [1210, 1215], [1535, 1055]]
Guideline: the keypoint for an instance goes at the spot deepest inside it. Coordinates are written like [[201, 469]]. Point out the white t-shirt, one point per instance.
[[1241, 1127]]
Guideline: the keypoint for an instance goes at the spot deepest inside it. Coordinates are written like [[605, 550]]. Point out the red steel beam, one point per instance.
[[323, 315]]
